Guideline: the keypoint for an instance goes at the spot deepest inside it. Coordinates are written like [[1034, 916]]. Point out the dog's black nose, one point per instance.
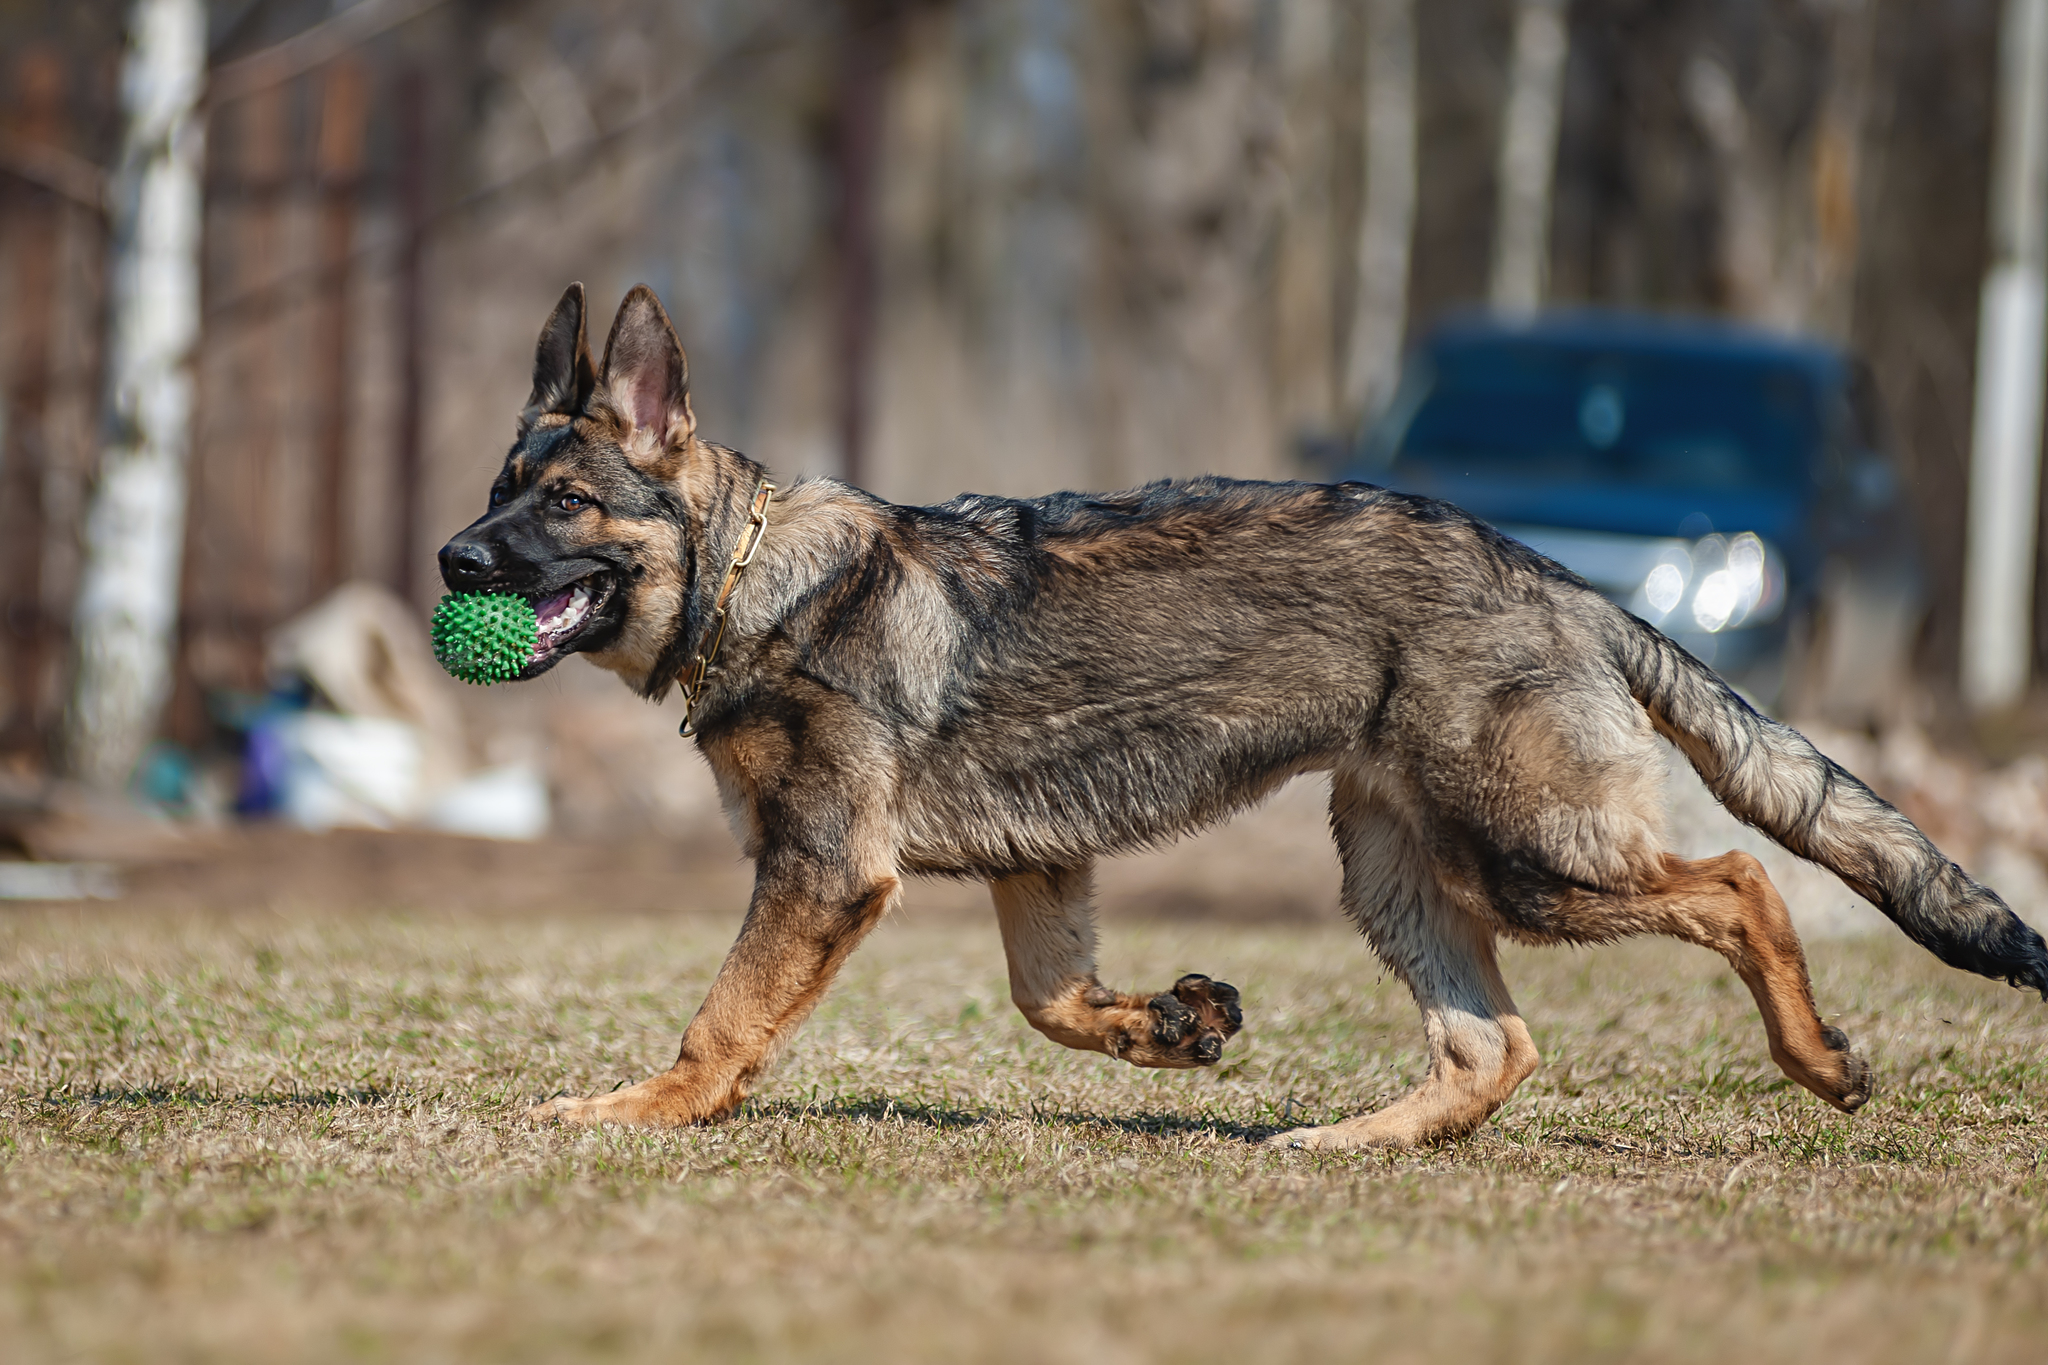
[[466, 562]]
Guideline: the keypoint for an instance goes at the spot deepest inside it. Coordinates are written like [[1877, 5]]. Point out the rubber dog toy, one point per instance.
[[484, 637]]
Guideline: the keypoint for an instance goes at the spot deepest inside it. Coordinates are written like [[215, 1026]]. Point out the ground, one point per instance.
[[260, 1134]]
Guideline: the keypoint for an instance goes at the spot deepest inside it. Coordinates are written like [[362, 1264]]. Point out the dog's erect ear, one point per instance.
[[645, 384], [563, 376]]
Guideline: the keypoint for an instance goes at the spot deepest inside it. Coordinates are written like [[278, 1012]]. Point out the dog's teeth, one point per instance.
[[571, 615]]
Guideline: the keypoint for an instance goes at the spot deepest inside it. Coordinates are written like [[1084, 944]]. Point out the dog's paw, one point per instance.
[[1853, 1082], [1351, 1136], [669, 1100], [1188, 1025], [566, 1110]]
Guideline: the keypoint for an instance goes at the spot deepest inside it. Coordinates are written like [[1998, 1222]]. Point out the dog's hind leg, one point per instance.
[[1479, 1048], [1048, 924], [1728, 904]]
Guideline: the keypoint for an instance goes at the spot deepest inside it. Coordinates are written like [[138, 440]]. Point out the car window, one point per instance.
[[1563, 415]]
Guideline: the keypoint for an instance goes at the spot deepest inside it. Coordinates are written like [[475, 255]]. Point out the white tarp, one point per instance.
[[391, 751]]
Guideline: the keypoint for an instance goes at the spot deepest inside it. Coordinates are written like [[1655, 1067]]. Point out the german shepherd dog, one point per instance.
[[1010, 689]]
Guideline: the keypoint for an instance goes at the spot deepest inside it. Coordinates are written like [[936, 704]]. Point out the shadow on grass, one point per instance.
[[1168, 1125], [939, 1116], [948, 1117], [193, 1097]]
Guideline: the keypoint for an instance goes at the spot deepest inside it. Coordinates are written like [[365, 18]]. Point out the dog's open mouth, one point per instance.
[[569, 618]]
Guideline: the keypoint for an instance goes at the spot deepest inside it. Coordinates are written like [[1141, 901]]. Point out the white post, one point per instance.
[[2005, 436], [1528, 157], [1386, 223], [127, 608]]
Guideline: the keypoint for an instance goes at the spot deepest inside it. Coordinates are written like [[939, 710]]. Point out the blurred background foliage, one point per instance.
[[929, 245]]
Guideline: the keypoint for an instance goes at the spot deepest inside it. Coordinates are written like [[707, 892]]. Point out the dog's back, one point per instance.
[[1124, 668], [1119, 669]]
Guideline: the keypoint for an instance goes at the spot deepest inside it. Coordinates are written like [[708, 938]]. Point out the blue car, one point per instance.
[[1725, 484]]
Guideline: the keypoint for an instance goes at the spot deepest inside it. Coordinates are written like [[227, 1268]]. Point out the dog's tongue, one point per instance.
[[559, 617]]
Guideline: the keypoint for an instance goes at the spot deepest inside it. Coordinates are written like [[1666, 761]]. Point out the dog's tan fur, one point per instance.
[[1011, 690]]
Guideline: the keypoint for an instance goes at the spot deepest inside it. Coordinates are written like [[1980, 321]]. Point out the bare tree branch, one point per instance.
[[312, 47]]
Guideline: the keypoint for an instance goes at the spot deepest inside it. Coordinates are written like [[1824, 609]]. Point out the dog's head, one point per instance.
[[588, 519]]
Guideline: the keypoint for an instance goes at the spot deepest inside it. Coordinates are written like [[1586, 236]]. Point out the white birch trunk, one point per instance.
[[1386, 223], [2005, 435], [127, 608], [1528, 157]]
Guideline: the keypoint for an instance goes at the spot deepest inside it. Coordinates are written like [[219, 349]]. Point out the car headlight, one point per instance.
[[1714, 584]]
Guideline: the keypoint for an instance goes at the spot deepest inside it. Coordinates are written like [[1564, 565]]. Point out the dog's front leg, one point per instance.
[[808, 914], [1048, 923]]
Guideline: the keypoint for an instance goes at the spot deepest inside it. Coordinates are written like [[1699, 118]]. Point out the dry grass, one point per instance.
[[262, 1138]]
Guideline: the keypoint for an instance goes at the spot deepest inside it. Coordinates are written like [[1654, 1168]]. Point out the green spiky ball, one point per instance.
[[484, 637]]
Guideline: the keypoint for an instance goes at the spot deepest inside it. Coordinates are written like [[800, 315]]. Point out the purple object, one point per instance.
[[263, 769]]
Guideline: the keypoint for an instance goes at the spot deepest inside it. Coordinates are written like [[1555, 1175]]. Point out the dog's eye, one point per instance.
[[498, 495], [571, 502]]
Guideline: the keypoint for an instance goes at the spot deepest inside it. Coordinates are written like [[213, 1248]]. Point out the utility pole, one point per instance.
[[1528, 157], [127, 609], [2005, 430], [1386, 220]]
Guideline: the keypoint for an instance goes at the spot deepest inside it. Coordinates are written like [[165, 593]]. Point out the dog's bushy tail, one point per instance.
[[1769, 776]]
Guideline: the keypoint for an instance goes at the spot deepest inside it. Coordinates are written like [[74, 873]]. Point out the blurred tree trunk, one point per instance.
[[24, 435], [1748, 199], [344, 111], [410, 559], [1528, 157], [1306, 284], [126, 614], [1838, 171], [265, 151], [1386, 224], [865, 50], [1186, 221], [1787, 169]]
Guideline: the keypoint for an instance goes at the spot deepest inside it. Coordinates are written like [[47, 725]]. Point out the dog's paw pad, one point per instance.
[[1215, 1003], [1190, 1023], [1171, 1020]]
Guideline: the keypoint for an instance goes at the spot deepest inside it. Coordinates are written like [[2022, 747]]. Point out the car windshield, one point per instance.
[[1562, 415]]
